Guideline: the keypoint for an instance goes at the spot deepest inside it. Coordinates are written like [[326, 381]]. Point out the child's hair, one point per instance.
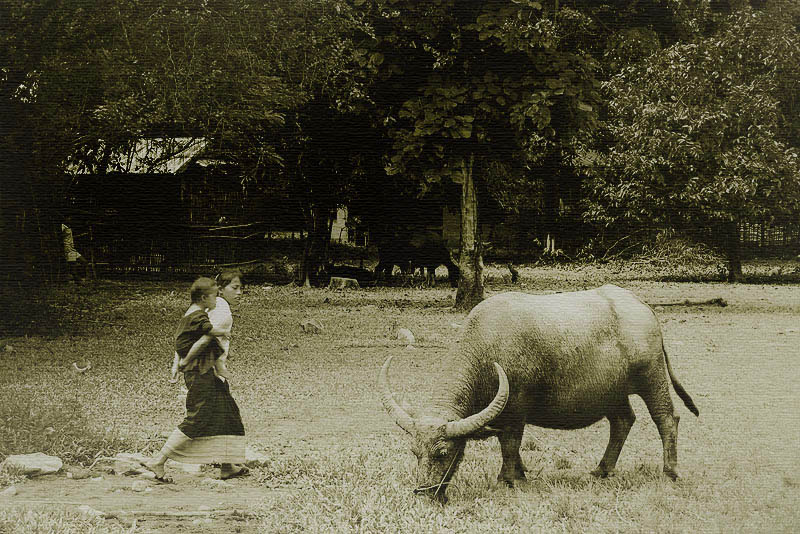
[[226, 277], [202, 287]]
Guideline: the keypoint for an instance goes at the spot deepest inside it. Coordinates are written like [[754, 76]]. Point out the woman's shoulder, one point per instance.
[[221, 316], [222, 309]]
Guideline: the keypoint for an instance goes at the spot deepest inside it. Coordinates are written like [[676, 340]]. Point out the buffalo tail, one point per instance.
[[687, 400]]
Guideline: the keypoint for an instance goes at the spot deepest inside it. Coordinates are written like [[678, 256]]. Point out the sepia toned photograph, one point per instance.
[[399, 266]]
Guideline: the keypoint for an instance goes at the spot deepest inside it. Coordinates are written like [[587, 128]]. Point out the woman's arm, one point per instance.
[[219, 331]]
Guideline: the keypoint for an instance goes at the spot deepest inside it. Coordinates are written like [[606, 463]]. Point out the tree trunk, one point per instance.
[[551, 195], [730, 240], [316, 247], [470, 284]]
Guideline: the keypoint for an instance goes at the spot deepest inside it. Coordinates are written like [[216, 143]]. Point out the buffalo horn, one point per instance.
[[468, 425], [401, 417]]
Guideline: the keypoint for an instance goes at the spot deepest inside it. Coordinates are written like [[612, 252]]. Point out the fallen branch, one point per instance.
[[16, 502], [721, 302], [202, 513], [388, 345], [152, 513], [101, 459]]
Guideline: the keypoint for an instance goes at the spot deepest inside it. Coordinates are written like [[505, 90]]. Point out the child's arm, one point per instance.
[[198, 346]]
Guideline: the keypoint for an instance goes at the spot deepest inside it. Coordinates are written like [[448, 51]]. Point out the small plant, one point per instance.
[[564, 507], [9, 476], [563, 463]]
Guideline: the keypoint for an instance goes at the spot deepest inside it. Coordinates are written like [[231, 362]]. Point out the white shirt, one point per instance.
[[221, 317]]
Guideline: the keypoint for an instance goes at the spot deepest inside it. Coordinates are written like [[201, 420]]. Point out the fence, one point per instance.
[[177, 248], [766, 237]]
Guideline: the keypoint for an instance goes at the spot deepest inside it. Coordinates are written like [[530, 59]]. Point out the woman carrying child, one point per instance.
[[229, 282], [212, 431]]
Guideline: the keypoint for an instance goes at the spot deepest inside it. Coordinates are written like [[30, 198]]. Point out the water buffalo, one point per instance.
[[397, 252], [429, 252], [560, 361], [425, 250]]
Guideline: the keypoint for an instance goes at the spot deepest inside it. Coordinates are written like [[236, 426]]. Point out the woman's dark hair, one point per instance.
[[225, 277]]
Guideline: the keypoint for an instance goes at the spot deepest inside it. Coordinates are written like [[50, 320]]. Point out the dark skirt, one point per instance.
[[210, 408], [212, 431]]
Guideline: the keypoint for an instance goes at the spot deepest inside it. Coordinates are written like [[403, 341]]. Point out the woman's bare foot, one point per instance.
[[158, 470], [227, 471]]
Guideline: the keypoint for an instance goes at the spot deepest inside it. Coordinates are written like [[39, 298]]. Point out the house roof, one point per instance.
[[158, 155]]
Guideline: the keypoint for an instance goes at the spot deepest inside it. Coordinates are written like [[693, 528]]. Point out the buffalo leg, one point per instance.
[[621, 420], [668, 429], [659, 404], [430, 276], [513, 468]]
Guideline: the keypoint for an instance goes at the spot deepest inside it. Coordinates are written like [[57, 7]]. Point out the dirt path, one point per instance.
[[192, 504]]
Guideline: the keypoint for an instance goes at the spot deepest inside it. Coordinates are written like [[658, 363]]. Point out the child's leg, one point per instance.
[[173, 375], [221, 368]]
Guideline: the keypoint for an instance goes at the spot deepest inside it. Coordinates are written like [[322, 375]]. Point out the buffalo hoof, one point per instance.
[[671, 473], [437, 496], [602, 473], [509, 482], [440, 498]]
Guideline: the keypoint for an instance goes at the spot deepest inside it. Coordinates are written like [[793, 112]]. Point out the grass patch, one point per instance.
[[28, 311], [57, 427], [50, 521], [337, 464]]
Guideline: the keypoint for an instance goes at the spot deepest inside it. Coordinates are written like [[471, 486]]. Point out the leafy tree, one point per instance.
[[275, 86], [468, 84], [88, 80], [51, 81], [705, 133]]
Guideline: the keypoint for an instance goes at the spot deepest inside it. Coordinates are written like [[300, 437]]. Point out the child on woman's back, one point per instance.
[[194, 329]]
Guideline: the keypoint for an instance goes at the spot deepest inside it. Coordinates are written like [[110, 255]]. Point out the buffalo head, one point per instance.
[[439, 443]]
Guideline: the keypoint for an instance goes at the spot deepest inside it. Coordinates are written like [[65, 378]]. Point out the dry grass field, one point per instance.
[[337, 463]]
